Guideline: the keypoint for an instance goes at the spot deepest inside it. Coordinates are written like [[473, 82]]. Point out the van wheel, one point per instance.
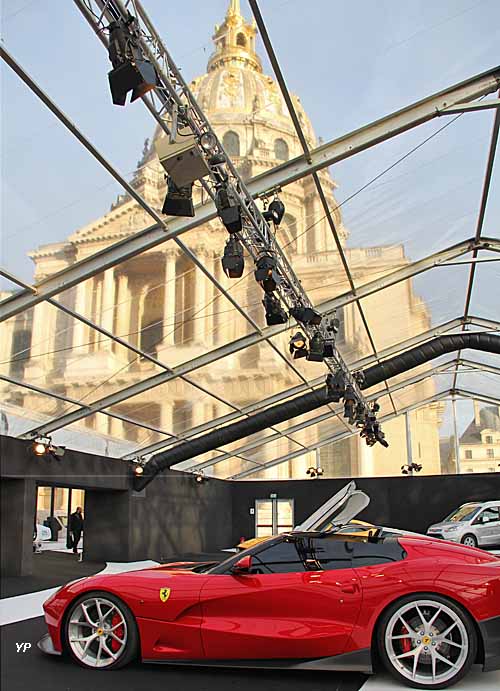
[[469, 540]]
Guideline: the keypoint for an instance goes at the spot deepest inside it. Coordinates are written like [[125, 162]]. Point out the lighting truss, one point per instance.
[[173, 105]]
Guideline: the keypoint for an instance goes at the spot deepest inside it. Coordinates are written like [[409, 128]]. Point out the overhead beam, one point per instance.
[[320, 418], [265, 334], [334, 438], [471, 107], [357, 365], [280, 176]]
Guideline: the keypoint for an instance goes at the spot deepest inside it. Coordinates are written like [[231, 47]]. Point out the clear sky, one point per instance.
[[350, 61]]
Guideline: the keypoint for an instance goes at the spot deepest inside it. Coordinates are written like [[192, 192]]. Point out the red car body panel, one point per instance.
[[284, 615], [312, 614]]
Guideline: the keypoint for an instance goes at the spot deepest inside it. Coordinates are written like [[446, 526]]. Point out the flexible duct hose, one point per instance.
[[315, 399]]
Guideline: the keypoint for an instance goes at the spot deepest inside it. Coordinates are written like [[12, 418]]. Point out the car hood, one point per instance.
[[445, 524], [338, 510]]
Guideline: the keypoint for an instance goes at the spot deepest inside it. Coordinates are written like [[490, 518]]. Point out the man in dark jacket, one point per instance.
[[76, 528]]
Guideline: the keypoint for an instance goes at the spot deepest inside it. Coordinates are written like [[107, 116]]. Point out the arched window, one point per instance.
[[281, 150], [231, 143], [289, 229], [241, 40]]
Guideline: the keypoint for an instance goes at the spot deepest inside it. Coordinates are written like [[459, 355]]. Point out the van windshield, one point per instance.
[[464, 513]]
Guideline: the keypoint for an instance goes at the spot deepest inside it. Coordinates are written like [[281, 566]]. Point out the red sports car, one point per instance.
[[425, 609]]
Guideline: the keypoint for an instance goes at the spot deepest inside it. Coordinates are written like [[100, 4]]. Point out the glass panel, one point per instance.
[[22, 410], [46, 347], [484, 300]]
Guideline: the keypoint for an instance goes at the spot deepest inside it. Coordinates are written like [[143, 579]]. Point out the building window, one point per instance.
[[20, 352], [273, 516], [281, 150], [231, 143], [489, 439], [490, 453], [468, 453], [241, 40]]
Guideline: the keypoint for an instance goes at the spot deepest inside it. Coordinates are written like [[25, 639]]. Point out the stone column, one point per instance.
[[108, 305], [81, 331], [169, 298], [202, 296]]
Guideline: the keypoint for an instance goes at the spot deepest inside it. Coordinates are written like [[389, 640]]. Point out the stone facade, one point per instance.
[[160, 303]]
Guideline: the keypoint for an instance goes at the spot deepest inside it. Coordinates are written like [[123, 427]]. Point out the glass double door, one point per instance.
[[273, 516], [56, 503]]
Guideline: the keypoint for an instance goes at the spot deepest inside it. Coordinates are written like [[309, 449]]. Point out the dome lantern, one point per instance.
[[234, 42]]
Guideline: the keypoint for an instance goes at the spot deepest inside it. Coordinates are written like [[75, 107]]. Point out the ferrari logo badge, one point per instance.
[[164, 594]]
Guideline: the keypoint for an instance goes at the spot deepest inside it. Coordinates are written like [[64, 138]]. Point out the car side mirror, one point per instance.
[[242, 566]]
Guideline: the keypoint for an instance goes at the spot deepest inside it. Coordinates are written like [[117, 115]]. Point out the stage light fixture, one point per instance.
[[335, 384], [266, 273], [208, 142], [131, 71], [298, 346], [179, 200], [40, 448], [306, 315], [316, 348], [275, 314], [274, 212], [233, 262], [229, 210], [350, 400], [43, 446], [314, 472], [409, 469], [200, 477], [181, 156], [138, 470]]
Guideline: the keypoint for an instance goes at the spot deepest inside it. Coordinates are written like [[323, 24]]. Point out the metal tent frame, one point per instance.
[[465, 97]]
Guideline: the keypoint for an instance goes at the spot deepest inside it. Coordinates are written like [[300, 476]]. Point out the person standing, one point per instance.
[[76, 528]]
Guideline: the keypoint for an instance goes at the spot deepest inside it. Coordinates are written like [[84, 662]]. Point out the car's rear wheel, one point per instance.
[[469, 540], [427, 641], [100, 631]]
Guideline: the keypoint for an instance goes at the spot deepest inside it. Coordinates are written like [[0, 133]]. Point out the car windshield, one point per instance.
[[464, 513]]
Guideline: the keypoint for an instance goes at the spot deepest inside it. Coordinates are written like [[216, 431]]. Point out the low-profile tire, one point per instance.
[[469, 540], [426, 641], [100, 632]]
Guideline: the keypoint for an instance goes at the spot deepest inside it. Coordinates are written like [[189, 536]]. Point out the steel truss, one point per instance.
[[442, 368], [337, 150], [452, 100], [265, 334], [359, 364], [458, 393]]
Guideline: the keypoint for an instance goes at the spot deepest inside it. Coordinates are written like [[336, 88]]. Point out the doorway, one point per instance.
[[273, 516], [54, 505]]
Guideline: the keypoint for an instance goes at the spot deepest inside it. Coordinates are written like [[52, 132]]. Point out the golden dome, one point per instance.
[[235, 90]]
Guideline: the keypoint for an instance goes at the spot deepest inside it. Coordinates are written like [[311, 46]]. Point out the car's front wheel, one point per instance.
[[100, 631], [427, 641], [469, 540]]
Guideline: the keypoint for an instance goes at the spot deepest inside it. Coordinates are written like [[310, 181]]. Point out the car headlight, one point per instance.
[[450, 529]]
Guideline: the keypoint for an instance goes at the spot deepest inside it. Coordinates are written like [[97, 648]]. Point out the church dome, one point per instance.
[[235, 92]]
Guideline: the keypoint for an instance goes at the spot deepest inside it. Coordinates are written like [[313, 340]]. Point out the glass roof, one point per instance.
[[129, 355]]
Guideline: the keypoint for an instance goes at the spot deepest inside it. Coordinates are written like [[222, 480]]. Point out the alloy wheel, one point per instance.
[[97, 632], [426, 642]]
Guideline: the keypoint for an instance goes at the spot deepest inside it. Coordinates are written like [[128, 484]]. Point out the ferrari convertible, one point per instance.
[[425, 609]]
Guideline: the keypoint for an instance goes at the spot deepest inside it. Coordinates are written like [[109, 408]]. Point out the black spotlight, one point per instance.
[[298, 346], [233, 262], [350, 400], [267, 274], [229, 211], [179, 200], [200, 477], [275, 212], [335, 384], [138, 470], [275, 314], [306, 315], [314, 472], [316, 348], [131, 72]]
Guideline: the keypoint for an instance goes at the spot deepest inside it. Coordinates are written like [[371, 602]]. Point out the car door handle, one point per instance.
[[349, 588]]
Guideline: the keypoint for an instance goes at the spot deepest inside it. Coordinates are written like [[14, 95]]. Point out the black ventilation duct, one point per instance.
[[310, 401]]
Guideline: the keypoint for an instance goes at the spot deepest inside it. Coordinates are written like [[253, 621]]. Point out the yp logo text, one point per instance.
[[23, 647]]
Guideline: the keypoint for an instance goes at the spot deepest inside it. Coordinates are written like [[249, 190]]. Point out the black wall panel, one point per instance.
[[412, 503]]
